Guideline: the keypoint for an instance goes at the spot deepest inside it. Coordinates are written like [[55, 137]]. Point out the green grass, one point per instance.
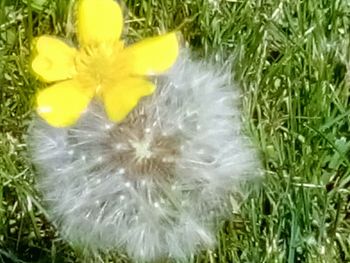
[[291, 60]]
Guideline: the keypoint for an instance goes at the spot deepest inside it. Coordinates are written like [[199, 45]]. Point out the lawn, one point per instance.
[[291, 61]]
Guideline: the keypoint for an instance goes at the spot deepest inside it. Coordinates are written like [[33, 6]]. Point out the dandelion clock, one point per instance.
[[138, 147]]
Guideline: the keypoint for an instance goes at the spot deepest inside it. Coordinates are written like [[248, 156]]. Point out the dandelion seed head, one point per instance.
[[155, 184]]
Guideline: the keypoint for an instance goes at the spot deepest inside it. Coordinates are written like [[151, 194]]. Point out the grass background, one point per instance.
[[291, 60]]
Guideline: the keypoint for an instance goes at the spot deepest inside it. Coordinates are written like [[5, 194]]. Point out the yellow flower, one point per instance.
[[101, 67]]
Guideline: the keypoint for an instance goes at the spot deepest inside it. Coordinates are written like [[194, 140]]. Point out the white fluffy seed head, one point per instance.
[[155, 184]]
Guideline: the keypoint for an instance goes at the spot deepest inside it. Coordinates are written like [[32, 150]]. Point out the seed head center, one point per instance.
[[142, 149]]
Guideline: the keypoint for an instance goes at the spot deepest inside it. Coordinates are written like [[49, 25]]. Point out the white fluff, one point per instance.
[[156, 184]]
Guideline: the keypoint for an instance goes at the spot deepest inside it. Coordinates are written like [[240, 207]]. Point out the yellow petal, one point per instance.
[[153, 55], [62, 104], [123, 98], [99, 21], [55, 59]]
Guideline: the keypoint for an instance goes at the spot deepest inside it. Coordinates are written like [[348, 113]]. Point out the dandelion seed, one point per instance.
[[118, 146], [121, 171], [108, 126]]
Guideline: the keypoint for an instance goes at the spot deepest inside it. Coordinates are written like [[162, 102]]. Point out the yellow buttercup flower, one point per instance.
[[101, 67]]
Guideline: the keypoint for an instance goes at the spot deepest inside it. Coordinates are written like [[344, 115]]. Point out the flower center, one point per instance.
[[99, 66]]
